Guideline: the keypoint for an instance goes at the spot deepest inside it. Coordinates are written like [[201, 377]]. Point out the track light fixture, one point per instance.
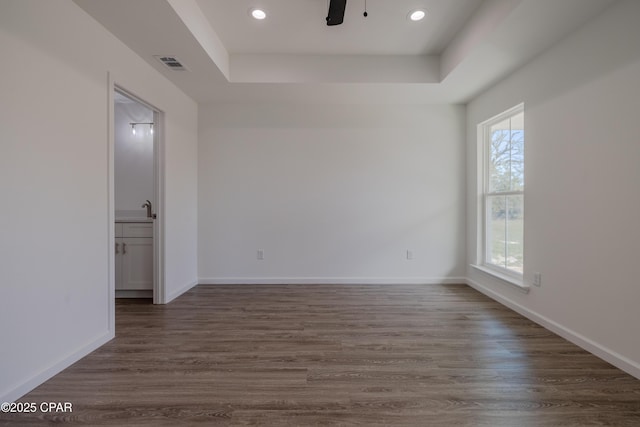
[[134, 124]]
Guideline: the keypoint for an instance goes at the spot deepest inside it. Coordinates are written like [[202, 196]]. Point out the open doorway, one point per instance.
[[137, 198]]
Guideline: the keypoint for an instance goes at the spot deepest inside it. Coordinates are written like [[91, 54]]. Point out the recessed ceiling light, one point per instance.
[[417, 15], [258, 13]]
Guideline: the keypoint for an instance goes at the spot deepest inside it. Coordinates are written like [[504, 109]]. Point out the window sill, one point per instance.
[[505, 278]]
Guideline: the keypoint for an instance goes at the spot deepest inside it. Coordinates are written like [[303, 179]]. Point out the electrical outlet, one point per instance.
[[260, 254], [409, 254], [537, 279]]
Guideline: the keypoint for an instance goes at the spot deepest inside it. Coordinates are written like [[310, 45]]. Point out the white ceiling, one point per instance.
[[119, 98], [459, 50], [299, 26]]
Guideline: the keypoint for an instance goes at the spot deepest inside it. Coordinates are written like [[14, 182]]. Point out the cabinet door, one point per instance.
[[137, 263], [118, 259]]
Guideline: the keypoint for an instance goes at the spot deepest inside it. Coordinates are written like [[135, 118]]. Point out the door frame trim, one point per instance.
[[159, 293]]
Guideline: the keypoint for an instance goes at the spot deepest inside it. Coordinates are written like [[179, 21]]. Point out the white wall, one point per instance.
[[582, 233], [133, 159], [331, 193], [54, 248]]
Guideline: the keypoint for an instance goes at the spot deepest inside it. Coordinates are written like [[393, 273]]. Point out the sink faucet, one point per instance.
[[148, 206]]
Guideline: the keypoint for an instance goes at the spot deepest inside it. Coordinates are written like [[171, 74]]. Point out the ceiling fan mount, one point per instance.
[[336, 12]]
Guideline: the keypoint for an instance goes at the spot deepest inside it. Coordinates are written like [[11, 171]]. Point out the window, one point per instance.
[[503, 192]]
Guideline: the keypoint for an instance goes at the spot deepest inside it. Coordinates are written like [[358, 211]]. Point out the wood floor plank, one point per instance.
[[307, 355]]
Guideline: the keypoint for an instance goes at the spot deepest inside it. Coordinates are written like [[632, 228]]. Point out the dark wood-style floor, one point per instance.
[[336, 355]]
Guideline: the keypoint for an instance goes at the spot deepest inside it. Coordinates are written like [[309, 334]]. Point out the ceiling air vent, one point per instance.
[[171, 62]]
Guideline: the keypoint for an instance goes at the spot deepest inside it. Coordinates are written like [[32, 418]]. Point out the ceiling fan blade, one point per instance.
[[336, 12]]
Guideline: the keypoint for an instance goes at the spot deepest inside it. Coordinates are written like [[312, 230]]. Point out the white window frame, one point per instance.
[[484, 141]]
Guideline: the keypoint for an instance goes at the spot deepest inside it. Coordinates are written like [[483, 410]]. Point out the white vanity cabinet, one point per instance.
[[134, 256]]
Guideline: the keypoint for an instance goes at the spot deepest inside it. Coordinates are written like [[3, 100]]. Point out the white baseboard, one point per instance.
[[617, 360], [175, 294], [20, 390], [331, 280]]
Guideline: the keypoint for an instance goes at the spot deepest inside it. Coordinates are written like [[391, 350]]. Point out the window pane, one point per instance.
[[505, 232], [497, 230], [517, 152], [515, 233], [500, 157], [506, 155]]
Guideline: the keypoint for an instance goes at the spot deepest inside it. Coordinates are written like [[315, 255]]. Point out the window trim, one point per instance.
[[503, 274], [517, 282]]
